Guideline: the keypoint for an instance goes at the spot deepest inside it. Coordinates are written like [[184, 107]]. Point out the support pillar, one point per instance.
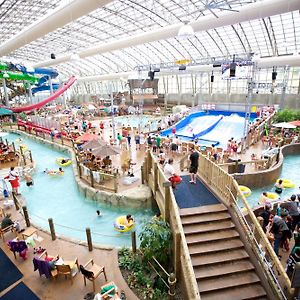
[[5, 92]]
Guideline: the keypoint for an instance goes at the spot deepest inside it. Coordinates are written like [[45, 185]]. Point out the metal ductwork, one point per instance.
[[267, 62], [57, 18], [252, 11]]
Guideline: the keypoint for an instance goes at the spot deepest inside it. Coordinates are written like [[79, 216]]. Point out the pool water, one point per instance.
[[290, 170], [136, 121], [60, 199]]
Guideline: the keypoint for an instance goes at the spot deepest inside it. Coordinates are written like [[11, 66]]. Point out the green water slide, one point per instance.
[[9, 75]]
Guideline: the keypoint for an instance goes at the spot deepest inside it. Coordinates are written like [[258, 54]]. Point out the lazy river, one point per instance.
[[290, 170], [59, 198]]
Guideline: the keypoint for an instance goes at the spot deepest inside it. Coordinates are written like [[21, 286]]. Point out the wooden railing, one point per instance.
[[108, 182], [163, 193], [225, 187]]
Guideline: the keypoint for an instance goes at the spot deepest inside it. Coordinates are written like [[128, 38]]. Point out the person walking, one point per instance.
[[194, 158]]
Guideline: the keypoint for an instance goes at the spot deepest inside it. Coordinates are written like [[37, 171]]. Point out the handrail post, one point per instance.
[[133, 241], [177, 253], [167, 186], [52, 230], [14, 146], [172, 284], [116, 183], [155, 179], [26, 216], [89, 239]]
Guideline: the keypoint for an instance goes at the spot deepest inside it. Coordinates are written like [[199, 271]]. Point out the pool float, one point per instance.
[[120, 224], [54, 173], [24, 147], [286, 183], [271, 196], [245, 190], [19, 140], [67, 163]]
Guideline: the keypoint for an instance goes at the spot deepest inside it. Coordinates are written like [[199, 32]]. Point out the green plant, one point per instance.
[[155, 240], [287, 115], [129, 261]]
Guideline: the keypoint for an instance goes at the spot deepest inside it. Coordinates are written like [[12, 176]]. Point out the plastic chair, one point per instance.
[[91, 272]]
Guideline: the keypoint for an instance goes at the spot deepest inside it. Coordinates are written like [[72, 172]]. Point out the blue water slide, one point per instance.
[[182, 123], [41, 88], [47, 73]]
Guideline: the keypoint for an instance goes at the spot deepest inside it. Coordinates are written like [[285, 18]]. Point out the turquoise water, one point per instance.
[[59, 198], [290, 170]]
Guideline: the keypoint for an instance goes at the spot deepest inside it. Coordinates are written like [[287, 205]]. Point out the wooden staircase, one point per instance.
[[221, 264]]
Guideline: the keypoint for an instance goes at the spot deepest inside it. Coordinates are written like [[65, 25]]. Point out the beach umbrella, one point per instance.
[[284, 125], [86, 138], [94, 144], [295, 123], [5, 112], [106, 150]]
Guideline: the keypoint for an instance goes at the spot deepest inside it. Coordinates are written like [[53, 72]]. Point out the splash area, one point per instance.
[[60, 199], [211, 127], [290, 170], [146, 123]]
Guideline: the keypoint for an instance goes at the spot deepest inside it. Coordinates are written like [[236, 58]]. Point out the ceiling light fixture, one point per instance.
[[186, 31]]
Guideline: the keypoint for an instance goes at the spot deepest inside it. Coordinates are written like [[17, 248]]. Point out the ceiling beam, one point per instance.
[[57, 18]]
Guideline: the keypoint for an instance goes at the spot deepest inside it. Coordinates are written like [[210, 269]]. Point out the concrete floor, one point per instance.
[[61, 288]]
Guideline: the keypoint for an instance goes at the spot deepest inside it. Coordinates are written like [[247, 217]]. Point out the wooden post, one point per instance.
[[62, 139], [177, 248], [155, 179], [6, 141], [89, 239], [44, 137], [79, 168], [14, 147], [115, 183], [167, 186], [26, 216], [15, 200], [21, 150], [133, 241], [30, 155], [92, 178], [142, 174], [172, 284], [52, 230]]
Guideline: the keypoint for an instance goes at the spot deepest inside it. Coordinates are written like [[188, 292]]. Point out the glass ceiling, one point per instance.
[[275, 35]]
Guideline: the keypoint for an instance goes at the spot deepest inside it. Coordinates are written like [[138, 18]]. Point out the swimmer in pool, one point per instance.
[[99, 214]]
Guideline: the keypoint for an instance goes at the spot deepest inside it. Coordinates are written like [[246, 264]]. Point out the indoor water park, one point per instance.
[[150, 150]]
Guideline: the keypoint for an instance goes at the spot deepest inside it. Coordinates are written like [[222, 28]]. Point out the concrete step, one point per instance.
[[227, 282], [222, 269], [211, 258], [207, 209], [217, 216], [207, 227], [217, 246], [211, 236], [253, 291]]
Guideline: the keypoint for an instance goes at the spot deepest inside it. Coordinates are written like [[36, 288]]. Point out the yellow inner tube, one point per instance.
[[59, 160], [286, 183], [121, 224], [245, 190], [24, 147]]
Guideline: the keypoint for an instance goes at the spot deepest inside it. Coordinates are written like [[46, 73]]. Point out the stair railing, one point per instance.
[[262, 249]]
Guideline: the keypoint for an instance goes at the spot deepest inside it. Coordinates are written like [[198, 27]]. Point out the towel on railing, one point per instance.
[[86, 171], [96, 176]]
